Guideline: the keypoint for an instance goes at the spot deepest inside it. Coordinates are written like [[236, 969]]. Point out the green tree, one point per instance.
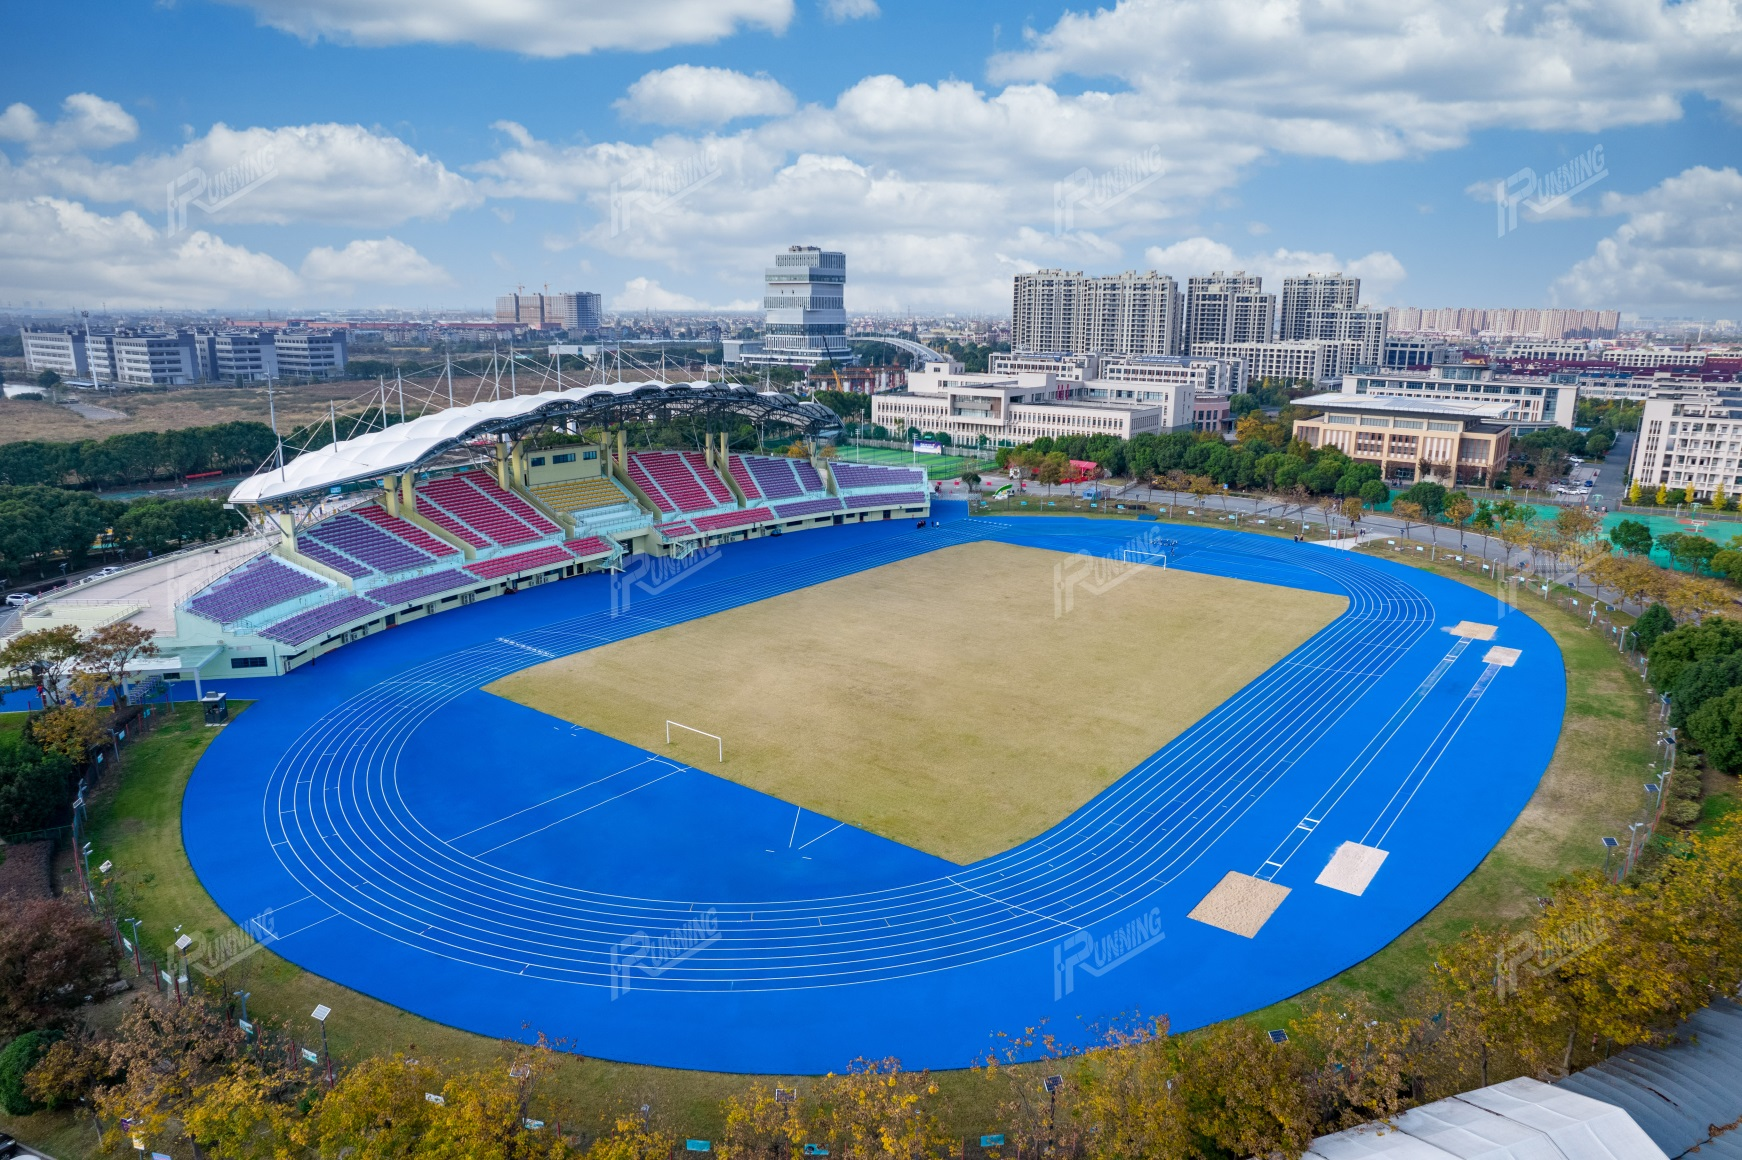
[[35, 785], [48, 380], [1427, 495], [16, 1060], [1374, 493], [1715, 725], [1632, 537], [1652, 624]]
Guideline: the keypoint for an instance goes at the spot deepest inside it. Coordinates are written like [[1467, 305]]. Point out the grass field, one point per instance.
[[826, 701], [936, 466]]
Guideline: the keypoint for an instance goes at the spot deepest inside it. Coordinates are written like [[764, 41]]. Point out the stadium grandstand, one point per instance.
[[468, 502]]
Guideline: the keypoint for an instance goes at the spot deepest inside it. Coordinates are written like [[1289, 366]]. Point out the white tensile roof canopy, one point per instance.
[[404, 446]]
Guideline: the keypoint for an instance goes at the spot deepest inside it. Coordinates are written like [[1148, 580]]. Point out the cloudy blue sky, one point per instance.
[[439, 152]]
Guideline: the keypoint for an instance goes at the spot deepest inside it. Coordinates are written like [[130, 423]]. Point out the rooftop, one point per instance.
[[1402, 405]]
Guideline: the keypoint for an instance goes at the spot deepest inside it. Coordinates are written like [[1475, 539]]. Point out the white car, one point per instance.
[[19, 599], [109, 571]]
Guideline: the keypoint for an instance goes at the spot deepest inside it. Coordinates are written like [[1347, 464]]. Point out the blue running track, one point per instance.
[[486, 866]]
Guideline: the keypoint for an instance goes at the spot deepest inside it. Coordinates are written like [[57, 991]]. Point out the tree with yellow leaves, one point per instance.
[[1633, 492], [1243, 1094], [876, 1110], [1360, 1064], [762, 1125], [1459, 508], [1126, 1099], [42, 658], [1662, 496]]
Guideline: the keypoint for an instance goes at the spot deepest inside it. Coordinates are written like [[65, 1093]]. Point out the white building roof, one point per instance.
[[1521, 1119], [404, 446], [1403, 404]]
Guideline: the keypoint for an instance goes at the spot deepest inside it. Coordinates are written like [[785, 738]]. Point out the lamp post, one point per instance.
[[319, 1015]]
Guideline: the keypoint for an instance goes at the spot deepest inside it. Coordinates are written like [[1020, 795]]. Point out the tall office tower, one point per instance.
[[807, 313], [1314, 294], [1228, 308]]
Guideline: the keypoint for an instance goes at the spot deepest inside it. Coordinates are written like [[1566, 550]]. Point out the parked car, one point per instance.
[[18, 599]]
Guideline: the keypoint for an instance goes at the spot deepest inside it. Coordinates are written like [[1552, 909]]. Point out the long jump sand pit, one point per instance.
[[941, 701]]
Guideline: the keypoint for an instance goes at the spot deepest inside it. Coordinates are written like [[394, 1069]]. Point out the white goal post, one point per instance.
[[1157, 559], [717, 739]]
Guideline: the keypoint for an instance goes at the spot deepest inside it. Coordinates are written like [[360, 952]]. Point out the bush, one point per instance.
[[52, 955], [17, 1058], [34, 785], [1653, 623], [27, 397], [1682, 812]]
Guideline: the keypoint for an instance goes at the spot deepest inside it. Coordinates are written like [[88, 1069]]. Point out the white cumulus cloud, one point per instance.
[[541, 28], [87, 121], [1380, 271], [372, 262], [1681, 246], [688, 94], [841, 11], [61, 251], [326, 173]]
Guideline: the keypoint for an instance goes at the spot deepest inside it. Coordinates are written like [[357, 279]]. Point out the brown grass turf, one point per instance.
[[937, 701]]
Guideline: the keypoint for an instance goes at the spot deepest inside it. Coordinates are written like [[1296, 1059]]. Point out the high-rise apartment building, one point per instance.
[[574, 311], [1306, 299], [1068, 312], [807, 309], [1228, 308]]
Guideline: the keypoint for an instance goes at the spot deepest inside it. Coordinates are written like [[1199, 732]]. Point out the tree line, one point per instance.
[[1602, 965], [43, 527], [134, 458]]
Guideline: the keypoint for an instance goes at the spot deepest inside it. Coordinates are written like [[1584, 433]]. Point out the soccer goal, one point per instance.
[[718, 740], [1152, 556]]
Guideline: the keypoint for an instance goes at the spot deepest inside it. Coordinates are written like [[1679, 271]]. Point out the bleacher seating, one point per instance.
[[338, 562], [419, 586], [857, 475], [808, 477], [405, 530], [363, 541], [886, 499], [587, 547], [675, 530], [667, 477], [476, 511], [716, 488], [807, 507], [724, 520], [308, 625], [775, 476], [519, 562], [517, 507], [252, 588], [741, 475], [577, 495]]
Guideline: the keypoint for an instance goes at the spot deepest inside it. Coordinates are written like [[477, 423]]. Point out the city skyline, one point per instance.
[[346, 154]]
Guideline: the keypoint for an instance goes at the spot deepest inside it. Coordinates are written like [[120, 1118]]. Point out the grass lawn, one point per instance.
[[1591, 789], [905, 742]]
